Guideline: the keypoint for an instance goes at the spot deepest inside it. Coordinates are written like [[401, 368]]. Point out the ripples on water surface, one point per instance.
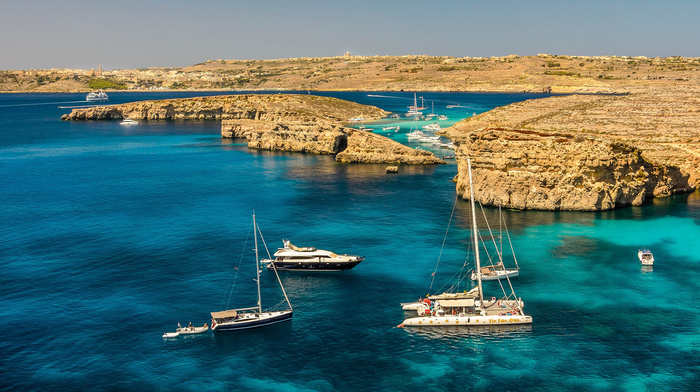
[[110, 236]]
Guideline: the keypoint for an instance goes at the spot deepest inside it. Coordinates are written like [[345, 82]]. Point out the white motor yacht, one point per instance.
[[294, 258]]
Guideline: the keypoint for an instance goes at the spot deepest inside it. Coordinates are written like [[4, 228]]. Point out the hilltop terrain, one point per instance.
[[548, 73]]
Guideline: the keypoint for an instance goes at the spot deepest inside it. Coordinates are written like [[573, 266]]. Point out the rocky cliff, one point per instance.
[[578, 152], [324, 137]]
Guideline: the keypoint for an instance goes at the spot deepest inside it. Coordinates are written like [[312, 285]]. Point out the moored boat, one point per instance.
[[128, 121], [645, 257], [98, 96], [294, 258], [188, 330], [468, 308], [252, 317]]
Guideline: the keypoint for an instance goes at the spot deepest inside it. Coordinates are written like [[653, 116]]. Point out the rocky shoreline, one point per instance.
[[300, 123], [582, 152], [575, 152]]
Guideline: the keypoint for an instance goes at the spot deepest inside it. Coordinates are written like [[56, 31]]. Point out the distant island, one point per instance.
[[541, 73]]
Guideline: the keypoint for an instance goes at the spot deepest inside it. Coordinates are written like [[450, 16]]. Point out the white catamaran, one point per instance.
[[253, 317], [468, 308]]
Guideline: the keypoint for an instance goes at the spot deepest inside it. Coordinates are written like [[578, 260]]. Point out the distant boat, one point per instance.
[[415, 110], [392, 128], [415, 134], [645, 257], [442, 117], [253, 317], [432, 127], [498, 271], [294, 258], [98, 96], [128, 121]]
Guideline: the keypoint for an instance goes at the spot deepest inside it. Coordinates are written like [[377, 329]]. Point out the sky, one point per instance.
[[42, 34]]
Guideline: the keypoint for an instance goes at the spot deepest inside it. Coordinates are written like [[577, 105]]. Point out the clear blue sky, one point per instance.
[[158, 33]]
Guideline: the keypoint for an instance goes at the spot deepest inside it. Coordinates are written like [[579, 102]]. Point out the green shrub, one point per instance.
[[104, 84]]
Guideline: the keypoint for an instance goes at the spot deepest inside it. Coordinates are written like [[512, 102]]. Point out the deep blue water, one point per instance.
[[112, 235]]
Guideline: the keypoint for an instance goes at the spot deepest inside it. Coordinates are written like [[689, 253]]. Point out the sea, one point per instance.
[[111, 235]]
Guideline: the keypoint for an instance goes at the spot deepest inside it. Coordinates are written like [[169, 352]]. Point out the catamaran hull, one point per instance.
[[263, 320], [467, 321]]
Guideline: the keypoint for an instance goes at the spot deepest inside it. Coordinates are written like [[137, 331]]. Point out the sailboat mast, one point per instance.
[[476, 233], [257, 261]]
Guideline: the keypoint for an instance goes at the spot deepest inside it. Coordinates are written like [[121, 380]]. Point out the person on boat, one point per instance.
[[190, 327]]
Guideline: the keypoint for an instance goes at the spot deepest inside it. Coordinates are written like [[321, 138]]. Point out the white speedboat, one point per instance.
[[98, 96], [188, 330], [645, 257], [294, 258], [128, 121]]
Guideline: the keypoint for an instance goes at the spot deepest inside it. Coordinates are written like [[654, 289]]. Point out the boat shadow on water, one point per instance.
[[273, 332], [460, 332]]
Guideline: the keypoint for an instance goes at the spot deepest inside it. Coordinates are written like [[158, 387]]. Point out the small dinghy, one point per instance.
[[188, 330]]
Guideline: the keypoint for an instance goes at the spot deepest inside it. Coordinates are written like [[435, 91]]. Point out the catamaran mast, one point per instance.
[[257, 261], [476, 233]]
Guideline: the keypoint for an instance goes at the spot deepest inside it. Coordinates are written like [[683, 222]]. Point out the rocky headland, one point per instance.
[[282, 122], [582, 152]]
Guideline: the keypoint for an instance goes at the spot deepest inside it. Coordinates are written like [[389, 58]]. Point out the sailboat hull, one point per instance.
[[496, 275], [474, 320], [252, 320]]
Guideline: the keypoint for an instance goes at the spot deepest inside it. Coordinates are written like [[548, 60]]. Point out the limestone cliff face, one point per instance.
[[527, 170], [586, 153], [349, 145]]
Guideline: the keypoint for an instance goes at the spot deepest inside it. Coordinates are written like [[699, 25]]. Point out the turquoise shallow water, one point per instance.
[[111, 236]]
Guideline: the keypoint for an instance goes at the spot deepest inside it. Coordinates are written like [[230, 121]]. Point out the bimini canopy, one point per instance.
[[224, 314], [457, 303]]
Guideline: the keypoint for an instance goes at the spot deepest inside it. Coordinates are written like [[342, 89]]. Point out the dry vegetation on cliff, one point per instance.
[[563, 74]]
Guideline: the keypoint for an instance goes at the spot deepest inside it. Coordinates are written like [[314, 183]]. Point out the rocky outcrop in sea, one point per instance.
[[349, 145], [283, 122]]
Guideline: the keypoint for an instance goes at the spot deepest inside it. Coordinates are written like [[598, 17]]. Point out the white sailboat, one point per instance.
[[498, 270], [253, 317], [415, 110], [468, 308]]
